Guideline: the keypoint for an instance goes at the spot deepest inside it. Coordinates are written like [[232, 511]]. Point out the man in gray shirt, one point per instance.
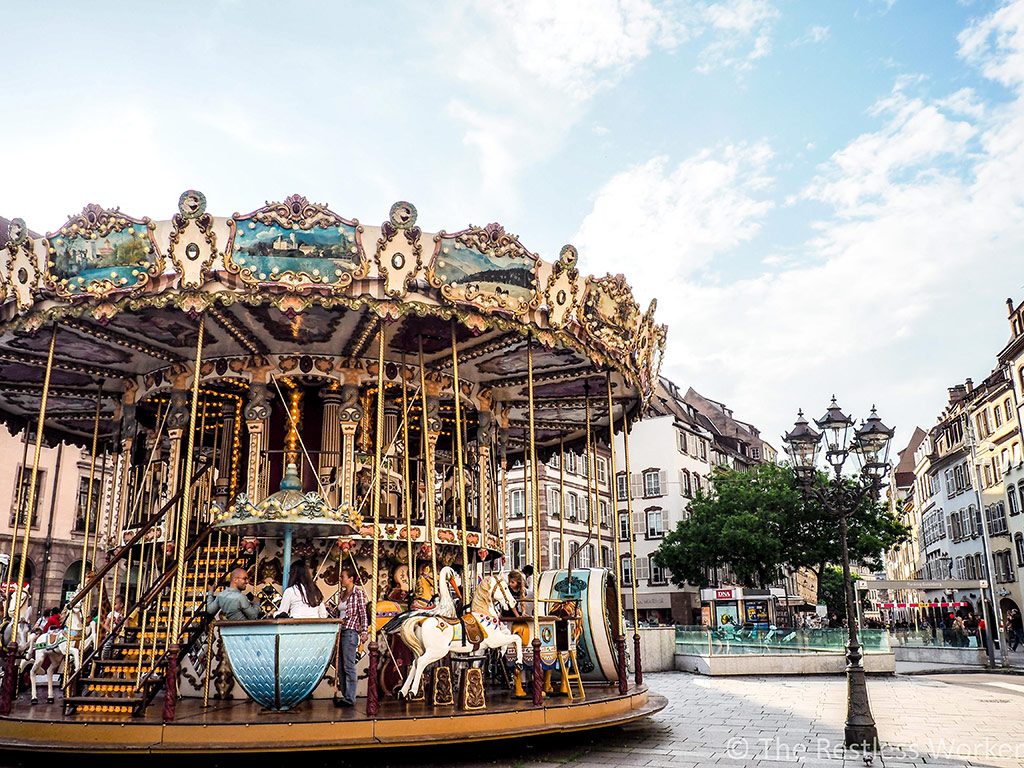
[[234, 602]]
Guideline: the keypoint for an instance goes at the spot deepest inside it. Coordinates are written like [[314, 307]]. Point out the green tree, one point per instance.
[[760, 524]]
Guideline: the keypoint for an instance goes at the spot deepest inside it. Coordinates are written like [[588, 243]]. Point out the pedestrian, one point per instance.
[[233, 601], [354, 623], [110, 627], [302, 599], [959, 633], [1015, 629]]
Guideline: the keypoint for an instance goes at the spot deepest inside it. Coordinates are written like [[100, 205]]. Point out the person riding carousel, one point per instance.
[[302, 599]]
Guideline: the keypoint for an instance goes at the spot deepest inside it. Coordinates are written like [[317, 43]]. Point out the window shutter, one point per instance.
[[681, 487], [636, 485], [662, 482]]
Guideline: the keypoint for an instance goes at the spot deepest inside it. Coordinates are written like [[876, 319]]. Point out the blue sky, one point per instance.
[[823, 196]]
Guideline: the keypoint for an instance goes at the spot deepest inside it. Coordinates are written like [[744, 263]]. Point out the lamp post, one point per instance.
[[840, 496]]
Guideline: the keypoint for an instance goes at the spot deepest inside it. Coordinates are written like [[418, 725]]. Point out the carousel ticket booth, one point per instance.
[[291, 384]]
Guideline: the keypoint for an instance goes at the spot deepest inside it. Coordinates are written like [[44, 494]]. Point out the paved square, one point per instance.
[[953, 720]]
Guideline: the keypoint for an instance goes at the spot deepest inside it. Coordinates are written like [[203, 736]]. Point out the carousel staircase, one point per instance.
[[126, 680]]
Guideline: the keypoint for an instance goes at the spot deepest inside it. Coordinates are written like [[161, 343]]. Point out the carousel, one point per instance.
[[290, 389]]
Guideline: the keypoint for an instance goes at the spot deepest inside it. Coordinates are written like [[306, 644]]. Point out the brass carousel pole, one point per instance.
[[504, 483], [561, 501], [591, 502], [538, 672], [467, 585], [620, 639], [372, 702], [7, 687], [637, 666], [429, 436], [406, 488], [178, 594], [527, 527], [88, 519]]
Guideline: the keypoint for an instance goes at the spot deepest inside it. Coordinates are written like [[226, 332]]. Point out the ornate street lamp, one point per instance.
[[840, 497]]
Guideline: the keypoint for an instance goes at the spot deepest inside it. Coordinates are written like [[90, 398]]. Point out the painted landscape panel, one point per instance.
[[322, 254], [117, 256], [478, 273]]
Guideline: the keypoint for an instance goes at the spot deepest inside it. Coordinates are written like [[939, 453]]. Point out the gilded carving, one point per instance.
[[486, 267], [295, 244], [101, 252], [399, 254], [561, 289], [193, 243]]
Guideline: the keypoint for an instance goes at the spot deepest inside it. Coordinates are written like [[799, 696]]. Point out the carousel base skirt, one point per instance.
[[241, 726]]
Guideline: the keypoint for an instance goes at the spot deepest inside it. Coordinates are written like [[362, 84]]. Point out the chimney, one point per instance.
[[970, 386], [1009, 306]]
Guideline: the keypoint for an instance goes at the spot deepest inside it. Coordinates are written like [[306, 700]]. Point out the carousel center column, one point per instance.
[[330, 444], [350, 416], [484, 436], [257, 415]]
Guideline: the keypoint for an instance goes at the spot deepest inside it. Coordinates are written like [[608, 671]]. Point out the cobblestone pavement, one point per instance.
[[955, 720], [949, 720]]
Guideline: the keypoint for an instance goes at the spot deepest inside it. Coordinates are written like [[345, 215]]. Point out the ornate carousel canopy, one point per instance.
[[293, 289]]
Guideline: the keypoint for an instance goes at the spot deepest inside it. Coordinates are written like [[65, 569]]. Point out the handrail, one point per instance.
[[123, 550], [155, 589]]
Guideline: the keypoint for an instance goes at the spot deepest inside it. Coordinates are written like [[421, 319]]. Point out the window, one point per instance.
[[588, 556], [623, 526], [570, 463], [698, 483], [657, 573], [602, 471], [643, 569], [554, 502], [603, 506], [703, 449], [572, 506], [1011, 501], [516, 549], [1003, 566], [1008, 409], [1018, 543], [585, 511], [606, 557], [652, 483], [627, 573], [960, 569], [20, 505], [554, 462], [995, 516], [556, 554], [655, 523], [681, 442], [83, 500], [516, 503], [997, 416], [622, 486], [755, 453], [687, 488], [987, 474]]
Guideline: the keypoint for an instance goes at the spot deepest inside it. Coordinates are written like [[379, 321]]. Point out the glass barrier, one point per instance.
[[702, 641], [938, 637]]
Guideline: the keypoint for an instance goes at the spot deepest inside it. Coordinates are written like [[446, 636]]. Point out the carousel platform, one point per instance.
[[243, 726]]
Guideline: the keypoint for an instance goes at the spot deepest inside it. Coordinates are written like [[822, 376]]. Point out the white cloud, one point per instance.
[[530, 67], [814, 35], [741, 34], [995, 44], [659, 222], [890, 269]]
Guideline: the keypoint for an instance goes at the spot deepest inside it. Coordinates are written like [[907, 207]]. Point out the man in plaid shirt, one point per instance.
[[352, 609]]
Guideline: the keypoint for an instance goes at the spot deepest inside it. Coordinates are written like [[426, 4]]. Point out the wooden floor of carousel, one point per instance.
[[316, 724]]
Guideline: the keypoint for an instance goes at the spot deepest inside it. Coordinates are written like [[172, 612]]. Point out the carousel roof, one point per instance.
[[294, 287]]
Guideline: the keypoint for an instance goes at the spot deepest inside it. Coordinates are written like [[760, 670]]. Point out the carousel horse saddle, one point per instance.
[[472, 632]]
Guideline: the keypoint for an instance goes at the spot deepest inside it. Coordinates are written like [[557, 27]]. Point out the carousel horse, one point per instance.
[[49, 649], [432, 637]]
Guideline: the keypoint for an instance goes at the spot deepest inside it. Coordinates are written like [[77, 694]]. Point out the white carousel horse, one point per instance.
[[49, 649], [432, 637]]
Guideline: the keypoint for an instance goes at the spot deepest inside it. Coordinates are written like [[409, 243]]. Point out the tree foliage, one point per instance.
[[759, 523]]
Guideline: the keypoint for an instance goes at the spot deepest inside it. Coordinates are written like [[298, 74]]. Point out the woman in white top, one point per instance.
[[302, 599]]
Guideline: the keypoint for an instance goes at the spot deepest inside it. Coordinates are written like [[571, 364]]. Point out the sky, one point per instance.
[[823, 197]]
